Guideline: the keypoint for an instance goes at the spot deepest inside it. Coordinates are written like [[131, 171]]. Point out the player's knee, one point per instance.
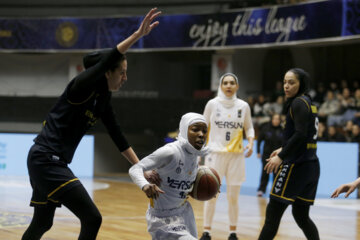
[[232, 198], [46, 225], [94, 220], [301, 217]]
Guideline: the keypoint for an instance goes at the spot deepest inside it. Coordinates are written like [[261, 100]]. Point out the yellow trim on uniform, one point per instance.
[[53, 200], [92, 94], [39, 202], [287, 179], [235, 145], [208, 135], [311, 146], [151, 202], [44, 122], [291, 115], [61, 186], [306, 200], [289, 199], [313, 109]]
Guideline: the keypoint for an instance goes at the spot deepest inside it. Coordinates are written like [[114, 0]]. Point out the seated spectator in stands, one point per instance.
[[348, 130], [278, 105], [322, 134], [347, 111], [279, 91], [271, 108], [355, 85], [334, 88], [357, 106], [260, 115], [319, 97], [355, 134], [334, 136], [331, 106], [343, 84]]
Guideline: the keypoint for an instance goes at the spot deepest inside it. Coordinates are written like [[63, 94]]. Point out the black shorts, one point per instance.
[[50, 177], [296, 183]]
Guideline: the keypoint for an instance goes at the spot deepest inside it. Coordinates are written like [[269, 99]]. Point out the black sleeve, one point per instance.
[[300, 112], [84, 84], [114, 129], [260, 139]]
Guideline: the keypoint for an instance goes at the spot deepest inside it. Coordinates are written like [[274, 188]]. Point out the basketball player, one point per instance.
[[227, 117], [84, 101], [347, 187], [170, 215], [297, 179]]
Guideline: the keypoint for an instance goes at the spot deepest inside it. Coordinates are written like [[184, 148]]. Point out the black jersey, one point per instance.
[[68, 121], [300, 133]]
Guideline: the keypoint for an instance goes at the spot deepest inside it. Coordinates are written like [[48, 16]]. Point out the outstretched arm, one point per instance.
[[145, 28], [348, 188], [85, 83]]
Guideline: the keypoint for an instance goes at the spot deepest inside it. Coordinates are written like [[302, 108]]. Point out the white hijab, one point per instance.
[[227, 102], [187, 120]]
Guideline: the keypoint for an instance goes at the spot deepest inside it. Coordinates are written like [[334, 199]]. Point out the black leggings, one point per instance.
[[274, 212], [78, 201]]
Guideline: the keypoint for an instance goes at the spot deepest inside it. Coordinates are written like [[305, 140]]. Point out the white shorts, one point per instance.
[[173, 224], [230, 165]]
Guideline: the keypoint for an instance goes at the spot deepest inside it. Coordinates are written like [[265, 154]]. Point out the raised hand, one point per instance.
[[147, 25]]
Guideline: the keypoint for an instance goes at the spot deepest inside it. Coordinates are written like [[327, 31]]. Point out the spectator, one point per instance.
[[322, 134], [330, 106], [348, 130], [334, 135], [355, 134], [347, 112], [320, 94], [260, 114]]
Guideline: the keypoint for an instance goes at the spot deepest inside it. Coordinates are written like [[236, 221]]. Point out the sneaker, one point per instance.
[[260, 193], [232, 236], [206, 236]]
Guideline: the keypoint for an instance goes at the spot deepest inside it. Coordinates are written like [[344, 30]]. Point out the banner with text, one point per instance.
[[273, 25]]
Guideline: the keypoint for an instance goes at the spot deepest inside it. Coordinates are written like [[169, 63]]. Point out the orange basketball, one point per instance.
[[207, 184]]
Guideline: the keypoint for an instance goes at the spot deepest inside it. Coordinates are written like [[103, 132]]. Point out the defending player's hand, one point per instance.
[[152, 191], [348, 188], [146, 25], [273, 164], [152, 177]]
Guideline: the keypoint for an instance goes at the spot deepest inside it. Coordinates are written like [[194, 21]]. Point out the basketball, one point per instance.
[[207, 184]]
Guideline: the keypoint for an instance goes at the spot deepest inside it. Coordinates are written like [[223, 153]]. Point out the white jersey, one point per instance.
[[177, 168], [226, 125]]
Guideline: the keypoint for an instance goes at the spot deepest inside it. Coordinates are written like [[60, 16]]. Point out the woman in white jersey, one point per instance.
[[227, 116], [170, 215]]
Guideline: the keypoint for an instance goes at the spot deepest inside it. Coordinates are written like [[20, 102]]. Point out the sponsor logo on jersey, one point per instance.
[[228, 125], [239, 113], [179, 184]]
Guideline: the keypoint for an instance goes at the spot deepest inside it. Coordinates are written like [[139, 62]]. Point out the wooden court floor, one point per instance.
[[123, 208]]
